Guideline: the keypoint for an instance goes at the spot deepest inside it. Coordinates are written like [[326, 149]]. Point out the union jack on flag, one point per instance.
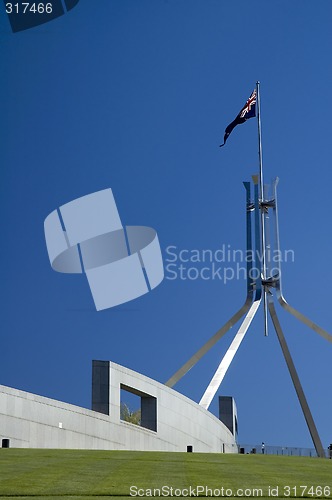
[[248, 111]]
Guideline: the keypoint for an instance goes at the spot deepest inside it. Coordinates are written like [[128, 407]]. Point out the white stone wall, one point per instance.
[[32, 421]]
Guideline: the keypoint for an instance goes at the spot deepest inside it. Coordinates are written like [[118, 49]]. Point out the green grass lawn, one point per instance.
[[75, 474]]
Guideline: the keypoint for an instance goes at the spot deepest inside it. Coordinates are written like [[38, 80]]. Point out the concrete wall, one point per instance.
[[32, 421], [228, 413]]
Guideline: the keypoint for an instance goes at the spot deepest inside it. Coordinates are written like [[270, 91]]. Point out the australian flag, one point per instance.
[[248, 111]]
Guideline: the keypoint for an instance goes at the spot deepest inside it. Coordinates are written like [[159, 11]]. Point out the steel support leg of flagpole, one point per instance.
[[211, 342], [278, 285], [265, 205], [230, 353], [228, 358], [237, 316], [296, 381], [323, 333]]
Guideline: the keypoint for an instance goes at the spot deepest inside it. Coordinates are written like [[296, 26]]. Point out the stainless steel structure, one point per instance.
[[262, 285]]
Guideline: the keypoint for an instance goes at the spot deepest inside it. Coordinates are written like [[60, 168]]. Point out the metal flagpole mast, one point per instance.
[[261, 188], [263, 286]]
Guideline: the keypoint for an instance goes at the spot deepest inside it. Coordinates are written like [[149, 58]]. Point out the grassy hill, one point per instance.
[[76, 474]]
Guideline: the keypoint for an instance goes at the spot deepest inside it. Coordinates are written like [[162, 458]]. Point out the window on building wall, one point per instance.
[[137, 407]]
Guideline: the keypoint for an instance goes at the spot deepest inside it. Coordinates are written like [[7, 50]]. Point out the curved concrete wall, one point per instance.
[[32, 421]]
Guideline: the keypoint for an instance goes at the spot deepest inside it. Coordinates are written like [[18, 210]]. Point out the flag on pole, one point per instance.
[[248, 111]]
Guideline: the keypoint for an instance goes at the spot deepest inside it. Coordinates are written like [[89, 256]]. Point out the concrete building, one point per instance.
[[169, 420]]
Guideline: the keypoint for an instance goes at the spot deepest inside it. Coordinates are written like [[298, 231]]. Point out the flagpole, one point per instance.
[[260, 157], [261, 186]]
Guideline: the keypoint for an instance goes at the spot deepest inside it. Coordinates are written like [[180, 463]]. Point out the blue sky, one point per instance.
[[135, 95]]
